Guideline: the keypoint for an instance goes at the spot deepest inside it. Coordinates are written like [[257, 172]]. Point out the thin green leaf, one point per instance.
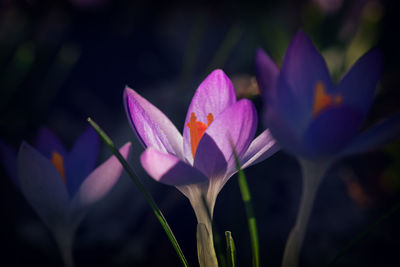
[[230, 249], [142, 189], [251, 219]]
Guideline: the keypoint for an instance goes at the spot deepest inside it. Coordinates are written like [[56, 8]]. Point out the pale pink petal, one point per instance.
[[152, 127], [214, 95], [168, 169], [235, 126], [260, 149], [100, 181]]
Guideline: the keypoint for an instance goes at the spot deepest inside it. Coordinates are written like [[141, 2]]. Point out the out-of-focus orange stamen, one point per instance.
[[58, 161], [322, 100], [197, 129]]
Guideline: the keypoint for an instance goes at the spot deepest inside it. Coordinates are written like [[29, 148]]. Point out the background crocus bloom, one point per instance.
[[200, 162], [317, 121], [61, 185], [311, 117]]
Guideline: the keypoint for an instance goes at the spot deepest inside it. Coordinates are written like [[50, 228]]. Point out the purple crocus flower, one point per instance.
[[202, 161], [311, 117], [60, 185], [318, 121]]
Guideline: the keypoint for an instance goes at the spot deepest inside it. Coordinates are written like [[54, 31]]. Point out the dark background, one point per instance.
[[62, 61]]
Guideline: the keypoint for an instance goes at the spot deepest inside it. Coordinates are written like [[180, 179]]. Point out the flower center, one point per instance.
[[58, 161], [197, 129], [323, 100]]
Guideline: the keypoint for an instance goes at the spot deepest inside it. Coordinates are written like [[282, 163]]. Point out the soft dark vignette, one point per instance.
[[62, 61]]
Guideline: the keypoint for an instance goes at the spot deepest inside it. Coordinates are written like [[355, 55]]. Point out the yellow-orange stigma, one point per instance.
[[323, 100], [58, 161], [197, 129]]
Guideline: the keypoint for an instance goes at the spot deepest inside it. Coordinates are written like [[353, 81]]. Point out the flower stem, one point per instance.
[[313, 172], [368, 230], [205, 246], [204, 235], [214, 234], [65, 242], [142, 189]]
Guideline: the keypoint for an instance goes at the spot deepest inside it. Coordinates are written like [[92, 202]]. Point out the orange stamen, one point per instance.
[[210, 118], [322, 100], [58, 162], [197, 129]]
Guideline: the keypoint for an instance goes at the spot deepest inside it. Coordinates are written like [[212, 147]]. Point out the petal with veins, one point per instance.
[[260, 149], [152, 127], [214, 95], [235, 126]]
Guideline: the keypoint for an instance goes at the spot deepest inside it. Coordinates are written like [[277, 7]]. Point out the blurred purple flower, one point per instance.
[[61, 185], [202, 161], [317, 121], [311, 117]]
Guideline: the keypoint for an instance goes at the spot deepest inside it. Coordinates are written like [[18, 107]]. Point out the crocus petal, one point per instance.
[[287, 109], [152, 127], [42, 186], [377, 135], [8, 159], [260, 149], [82, 159], [235, 126], [286, 136], [101, 180], [168, 169], [331, 131], [47, 142], [303, 67], [267, 74], [214, 94], [358, 85]]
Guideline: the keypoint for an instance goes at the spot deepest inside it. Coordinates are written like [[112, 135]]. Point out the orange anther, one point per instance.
[[58, 161], [210, 118], [197, 129], [322, 100]]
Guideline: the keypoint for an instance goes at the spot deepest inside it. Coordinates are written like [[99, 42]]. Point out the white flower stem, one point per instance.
[[202, 200], [313, 172], [205, 241]]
